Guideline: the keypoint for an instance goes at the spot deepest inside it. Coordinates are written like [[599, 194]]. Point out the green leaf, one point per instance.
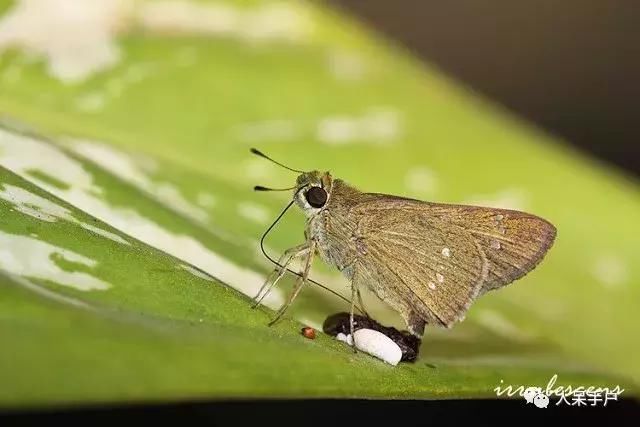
[[129, 230]]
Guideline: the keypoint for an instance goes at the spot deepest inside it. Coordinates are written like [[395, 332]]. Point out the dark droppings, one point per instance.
[[339, 323]]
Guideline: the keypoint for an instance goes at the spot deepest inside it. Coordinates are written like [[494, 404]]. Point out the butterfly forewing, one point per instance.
[[435, 259]]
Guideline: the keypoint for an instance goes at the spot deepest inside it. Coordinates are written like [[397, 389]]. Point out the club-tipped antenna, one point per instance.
[[261, 154]]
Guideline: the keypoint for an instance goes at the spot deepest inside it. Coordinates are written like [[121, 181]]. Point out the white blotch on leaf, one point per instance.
[[347, 66], [497, 323], [186, 57], [206, 200], [254, 212], [509, 198], [90, 102], [45, 210], [439, 277], [22, 154], [196, 272], [432, 286], [421, 181], [377, 126], [11, 74], [32, 258], [76, 38], [610, 270], [265, 23], [446, 252], [268, 130], [128, 168]]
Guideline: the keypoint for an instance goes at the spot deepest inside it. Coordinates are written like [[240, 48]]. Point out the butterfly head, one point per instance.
[[313, 191]]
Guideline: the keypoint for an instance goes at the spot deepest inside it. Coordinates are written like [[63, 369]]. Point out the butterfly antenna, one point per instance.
[[291, 271], [261, 188], [261, 154]]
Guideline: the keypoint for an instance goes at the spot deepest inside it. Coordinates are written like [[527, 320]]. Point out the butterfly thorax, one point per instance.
[[334, 230]]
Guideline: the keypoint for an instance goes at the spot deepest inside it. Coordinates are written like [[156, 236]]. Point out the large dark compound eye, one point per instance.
[[316, 196]]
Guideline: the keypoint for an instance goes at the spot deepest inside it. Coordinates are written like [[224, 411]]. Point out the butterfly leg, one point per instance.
[[415, 324], [354, 290], [299, 282], [284, 261], [361, 303]]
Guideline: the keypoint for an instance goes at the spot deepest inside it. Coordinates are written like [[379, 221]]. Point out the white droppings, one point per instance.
[[254, 212], [130, 169], [432, 286], [75, 38], [446, 252], [345, 338], [45, 210], [495, 244], [22, 154], [35, 259], [196, 272], [420, 180], [439, 277], [610, 270], [378, 345]]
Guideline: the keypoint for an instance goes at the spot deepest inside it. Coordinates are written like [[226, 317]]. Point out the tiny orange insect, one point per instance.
[[309, 332]]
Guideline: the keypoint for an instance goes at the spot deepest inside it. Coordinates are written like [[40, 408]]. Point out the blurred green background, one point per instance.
[[129, 229]]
